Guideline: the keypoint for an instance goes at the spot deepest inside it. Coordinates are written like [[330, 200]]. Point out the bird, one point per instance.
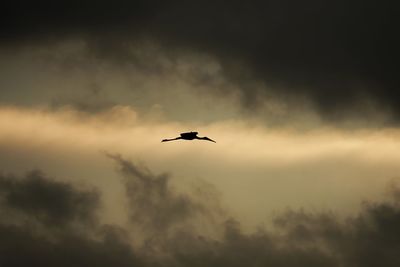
[[189, 136]]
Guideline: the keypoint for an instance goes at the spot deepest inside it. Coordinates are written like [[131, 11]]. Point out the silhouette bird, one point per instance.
[[189, 136]]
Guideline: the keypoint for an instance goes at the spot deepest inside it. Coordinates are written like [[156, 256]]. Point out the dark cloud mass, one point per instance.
[[40, 231], [336, 53], [49, 201], [298, 238], [154, 205]]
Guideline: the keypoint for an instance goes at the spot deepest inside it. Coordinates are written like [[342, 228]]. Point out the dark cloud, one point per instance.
[[154, 204], [40, 201], [298, 238], [336, 53], [51, 202], [19, 247], [370, 238], [92, 100]]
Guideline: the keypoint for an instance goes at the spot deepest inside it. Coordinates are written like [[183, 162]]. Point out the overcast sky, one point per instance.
[[300, 96]]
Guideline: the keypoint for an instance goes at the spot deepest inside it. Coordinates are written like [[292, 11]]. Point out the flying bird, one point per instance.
[[189, 136]]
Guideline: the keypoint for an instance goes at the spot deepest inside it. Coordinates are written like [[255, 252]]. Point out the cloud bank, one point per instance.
[[48, 236], [339, 55]]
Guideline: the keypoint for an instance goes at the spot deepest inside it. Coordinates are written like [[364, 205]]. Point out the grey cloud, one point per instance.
[[298, 238], [50, 202], [54, 205], [305, 239], [258, 249], [367, 239], [335, 53], [91, 101], [20, 247], [153, 204]]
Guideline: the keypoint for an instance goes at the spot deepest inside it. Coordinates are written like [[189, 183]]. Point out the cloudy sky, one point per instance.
[[302, 98]]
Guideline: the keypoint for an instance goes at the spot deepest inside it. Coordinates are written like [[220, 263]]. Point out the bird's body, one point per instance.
[[189, 136]]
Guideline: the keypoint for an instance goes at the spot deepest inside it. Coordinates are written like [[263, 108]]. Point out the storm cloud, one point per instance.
[[46, 222], [154, 205], [297, 238], [49, 201], [340, 55]]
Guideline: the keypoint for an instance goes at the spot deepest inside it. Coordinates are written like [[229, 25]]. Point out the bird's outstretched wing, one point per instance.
[[172, 139], [206, 138]]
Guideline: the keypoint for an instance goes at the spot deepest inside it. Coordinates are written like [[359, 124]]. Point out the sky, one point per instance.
[[300, 96]]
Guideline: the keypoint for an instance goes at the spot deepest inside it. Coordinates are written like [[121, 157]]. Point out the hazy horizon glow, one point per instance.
[[326, 168]]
